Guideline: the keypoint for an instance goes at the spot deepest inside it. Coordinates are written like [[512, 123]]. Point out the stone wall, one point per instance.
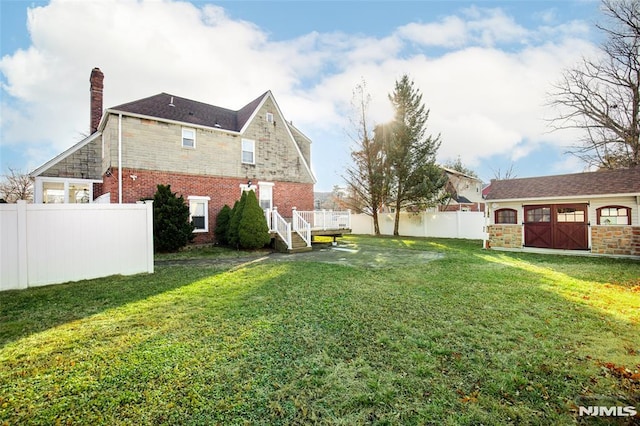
[[615, 240], [505, 236]]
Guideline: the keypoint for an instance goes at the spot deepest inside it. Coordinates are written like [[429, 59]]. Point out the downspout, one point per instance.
[[119, 158]]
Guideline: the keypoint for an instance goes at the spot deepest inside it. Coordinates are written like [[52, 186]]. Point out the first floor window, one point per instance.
[[199, 213], [614, 215], [266, 195], [506, 216], [248, 151]]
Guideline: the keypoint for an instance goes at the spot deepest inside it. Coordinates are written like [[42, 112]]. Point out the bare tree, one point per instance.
[[366, 178], [16, 186], [601, 96], [508, 174]]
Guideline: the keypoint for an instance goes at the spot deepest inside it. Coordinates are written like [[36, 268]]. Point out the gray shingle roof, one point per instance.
[[623, 181], [170, 107]]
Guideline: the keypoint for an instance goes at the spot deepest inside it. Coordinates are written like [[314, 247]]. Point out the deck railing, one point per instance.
[[303, 222], [281, 226], [327, 219], [302, 227]]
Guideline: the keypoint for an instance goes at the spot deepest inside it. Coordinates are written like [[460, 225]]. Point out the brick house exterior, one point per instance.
[[596, 212], [208, 154]]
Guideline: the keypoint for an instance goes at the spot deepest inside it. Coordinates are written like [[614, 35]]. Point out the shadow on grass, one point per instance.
[[461, 340], [24, 312]]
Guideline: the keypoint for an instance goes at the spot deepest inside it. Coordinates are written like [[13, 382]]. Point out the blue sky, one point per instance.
[[484, 69]]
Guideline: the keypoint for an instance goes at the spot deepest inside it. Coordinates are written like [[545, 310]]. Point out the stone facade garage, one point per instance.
[[595, 212], [208, 154]]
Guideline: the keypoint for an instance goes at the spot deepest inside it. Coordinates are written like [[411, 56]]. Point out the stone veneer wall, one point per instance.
[[620, 240], [507, 236]]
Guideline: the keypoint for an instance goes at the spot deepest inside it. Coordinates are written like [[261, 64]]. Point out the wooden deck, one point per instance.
[[297, 232]]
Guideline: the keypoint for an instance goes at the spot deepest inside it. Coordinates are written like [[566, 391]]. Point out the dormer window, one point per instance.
[[188, 137]]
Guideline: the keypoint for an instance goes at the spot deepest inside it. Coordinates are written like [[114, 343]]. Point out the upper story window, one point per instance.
[[506, 216], [188, 137], [199, 212], [614, 215], [269, 117], [248, 151]]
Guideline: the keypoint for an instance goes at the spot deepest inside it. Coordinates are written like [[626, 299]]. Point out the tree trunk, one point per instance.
[[376, 225], [396, 224]]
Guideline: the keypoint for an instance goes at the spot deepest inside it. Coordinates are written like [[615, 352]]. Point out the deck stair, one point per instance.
[[294, 235]]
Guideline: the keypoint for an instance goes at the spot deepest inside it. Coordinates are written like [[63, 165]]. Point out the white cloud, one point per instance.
[[483, 100]]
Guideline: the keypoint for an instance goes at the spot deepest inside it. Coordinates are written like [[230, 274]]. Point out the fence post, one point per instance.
[[23, 260], [150, 250]]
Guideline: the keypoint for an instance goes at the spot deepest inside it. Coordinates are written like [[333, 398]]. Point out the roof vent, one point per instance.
[[171, 102], [217, 125]]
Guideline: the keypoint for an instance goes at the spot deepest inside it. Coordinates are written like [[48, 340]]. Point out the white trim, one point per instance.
[[39, 181], [244, 187], [566, 197], [188, 129], [199, 199], [265, 185], [55, 160], [253, 151]]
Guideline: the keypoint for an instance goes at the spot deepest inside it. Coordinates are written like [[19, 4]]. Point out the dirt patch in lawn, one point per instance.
[[348, 254]]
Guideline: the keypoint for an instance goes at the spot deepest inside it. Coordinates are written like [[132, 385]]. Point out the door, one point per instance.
[[570, 228], [537, 226], [558, 226]]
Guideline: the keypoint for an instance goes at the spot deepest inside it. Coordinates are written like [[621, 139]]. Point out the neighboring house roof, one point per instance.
[[174, 108], [609, 182], [456, 172], [462, 200]]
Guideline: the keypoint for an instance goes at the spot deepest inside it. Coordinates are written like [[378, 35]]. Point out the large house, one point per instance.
[[465, 192], [208, 154], [595, 212]]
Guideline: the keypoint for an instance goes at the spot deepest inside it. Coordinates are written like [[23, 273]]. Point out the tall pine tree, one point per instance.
[[416, 180]]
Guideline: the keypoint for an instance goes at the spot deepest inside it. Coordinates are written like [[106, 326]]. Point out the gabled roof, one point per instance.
[[174, 108], [609, 182], [58, 158]]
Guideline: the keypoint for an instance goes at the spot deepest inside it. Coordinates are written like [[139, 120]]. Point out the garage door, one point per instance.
[[558, 226]]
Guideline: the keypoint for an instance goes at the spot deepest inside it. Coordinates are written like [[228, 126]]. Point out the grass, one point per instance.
[[458, 336]]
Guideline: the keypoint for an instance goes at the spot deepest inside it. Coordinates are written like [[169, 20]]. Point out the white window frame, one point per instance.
[[269, 117], [66, 183], [265, 188], [253, 151], [244, 188], [196, 199], [193, 131]]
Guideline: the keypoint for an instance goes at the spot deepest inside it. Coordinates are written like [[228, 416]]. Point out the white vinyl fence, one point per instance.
[[44, 244], [457, 224]]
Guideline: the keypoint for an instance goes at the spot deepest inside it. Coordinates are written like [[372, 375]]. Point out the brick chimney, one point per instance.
[[95, 112]]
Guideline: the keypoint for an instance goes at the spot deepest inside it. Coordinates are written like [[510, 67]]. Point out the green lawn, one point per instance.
[[454, 335]]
